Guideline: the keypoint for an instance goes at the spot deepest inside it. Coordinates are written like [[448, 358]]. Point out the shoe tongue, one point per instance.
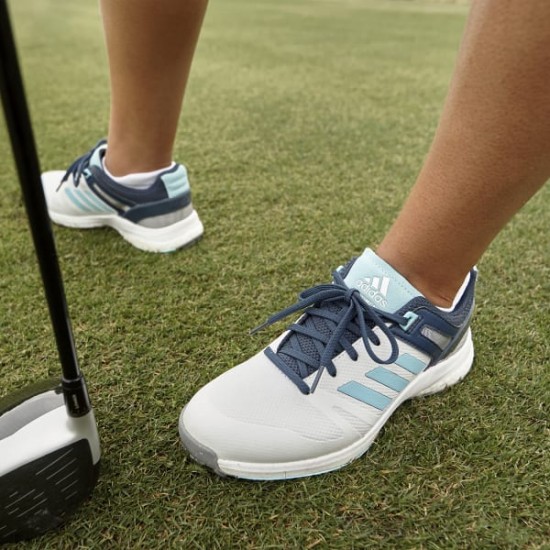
[[97, 156], [379, 284]]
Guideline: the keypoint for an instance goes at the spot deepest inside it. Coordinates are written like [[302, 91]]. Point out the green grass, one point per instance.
[[305, 124]]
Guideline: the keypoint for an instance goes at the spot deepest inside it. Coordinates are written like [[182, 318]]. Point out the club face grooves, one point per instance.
[[39, 496]]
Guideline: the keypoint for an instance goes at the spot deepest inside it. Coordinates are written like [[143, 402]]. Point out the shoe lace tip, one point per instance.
[[257, 329]]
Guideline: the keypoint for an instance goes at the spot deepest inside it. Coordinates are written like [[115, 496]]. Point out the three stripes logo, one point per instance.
[[374, 290]]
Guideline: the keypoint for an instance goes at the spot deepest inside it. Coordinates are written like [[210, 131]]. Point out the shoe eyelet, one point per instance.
[[412, 317]]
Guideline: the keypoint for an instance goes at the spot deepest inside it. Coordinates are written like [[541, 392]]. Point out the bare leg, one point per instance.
[[150, 45], [490, 154]]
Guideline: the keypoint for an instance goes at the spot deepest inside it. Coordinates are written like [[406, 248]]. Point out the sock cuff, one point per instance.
[[138, 180], [458, 296]]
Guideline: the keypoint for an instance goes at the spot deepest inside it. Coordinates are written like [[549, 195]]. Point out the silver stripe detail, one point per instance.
[[164, 220], [440, 340]]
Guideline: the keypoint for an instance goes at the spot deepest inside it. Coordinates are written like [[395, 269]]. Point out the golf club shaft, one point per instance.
[[26, 158]]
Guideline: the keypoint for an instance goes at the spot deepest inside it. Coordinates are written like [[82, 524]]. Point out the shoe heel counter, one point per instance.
[[176, 181]]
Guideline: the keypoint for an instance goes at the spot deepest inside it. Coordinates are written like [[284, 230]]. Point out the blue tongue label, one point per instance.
[[96, 157], [379, 284]]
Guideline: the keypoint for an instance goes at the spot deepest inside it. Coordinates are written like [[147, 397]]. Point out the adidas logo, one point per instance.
[[374, 290]]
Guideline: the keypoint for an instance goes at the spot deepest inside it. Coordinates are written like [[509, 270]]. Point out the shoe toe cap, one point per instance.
[[50, 183], [255, 414]]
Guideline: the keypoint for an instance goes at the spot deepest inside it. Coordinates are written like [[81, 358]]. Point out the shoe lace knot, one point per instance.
[[342, 311]]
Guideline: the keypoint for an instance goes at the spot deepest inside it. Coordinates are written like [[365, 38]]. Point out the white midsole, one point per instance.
[[446, 373], [162, 239]]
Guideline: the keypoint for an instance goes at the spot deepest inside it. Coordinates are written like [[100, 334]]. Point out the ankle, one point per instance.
[[121, 162], [443, 299], [440, 287], [138, 180]]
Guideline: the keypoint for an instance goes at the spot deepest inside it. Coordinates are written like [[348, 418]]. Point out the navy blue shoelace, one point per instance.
[[342, 313], [76, 169]]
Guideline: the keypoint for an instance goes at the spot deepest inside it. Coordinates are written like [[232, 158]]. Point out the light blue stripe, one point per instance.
[[176, 182], [86, 199], [96, 202], [410, 363], [387, 378], [77, 202], [366, 395]]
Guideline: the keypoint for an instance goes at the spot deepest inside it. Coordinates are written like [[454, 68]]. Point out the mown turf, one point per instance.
[[305, 124]]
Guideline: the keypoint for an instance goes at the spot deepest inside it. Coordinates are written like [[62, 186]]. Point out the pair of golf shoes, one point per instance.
[[315, 398]]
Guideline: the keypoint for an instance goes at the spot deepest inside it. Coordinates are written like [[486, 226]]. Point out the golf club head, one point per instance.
[[49, 461]]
